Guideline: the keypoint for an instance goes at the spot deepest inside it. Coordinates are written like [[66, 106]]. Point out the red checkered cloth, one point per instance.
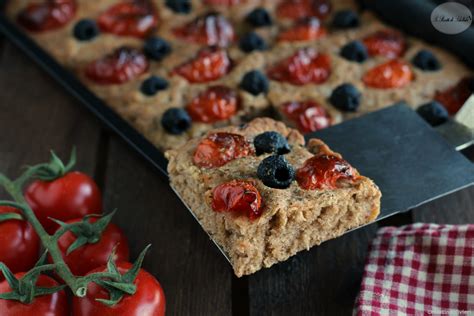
[[419, 269]]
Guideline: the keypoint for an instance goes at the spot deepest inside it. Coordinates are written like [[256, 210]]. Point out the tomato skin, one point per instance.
[[120, 66], [19, 243], [47, 15], [135, 18], [309, 116], [303, 67], [388, 43], [454, 97], [149, 299], [217, 149], [55, 304], [215, 104], [392, 74], [91, 256], [323, 172], [237, 196], [208, 65], [73, 195]]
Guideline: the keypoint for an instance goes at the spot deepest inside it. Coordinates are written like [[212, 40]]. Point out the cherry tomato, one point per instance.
[[73, 195], [91, 256], [309, 116], [55, 304], [217, 149], [237, 196], [324, 172], [303, 67], [122, 65], [19, 243], [208, 65], [149, 298], [217, 103], [132, 18], [391, 74], [47, 15]]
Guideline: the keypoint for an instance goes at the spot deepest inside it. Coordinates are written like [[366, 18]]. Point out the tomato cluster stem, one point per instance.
[[77, 285], [111, 279]]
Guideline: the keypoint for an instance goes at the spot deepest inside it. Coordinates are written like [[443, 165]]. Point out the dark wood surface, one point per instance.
[[36, 115]]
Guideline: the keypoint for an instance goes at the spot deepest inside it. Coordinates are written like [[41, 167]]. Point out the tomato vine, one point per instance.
[[23, 289]]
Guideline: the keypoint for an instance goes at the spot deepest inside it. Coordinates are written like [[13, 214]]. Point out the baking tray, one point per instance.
[[117, 124], [69, 81]]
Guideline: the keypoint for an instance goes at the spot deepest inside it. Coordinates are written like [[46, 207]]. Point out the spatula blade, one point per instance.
[[410, 162]]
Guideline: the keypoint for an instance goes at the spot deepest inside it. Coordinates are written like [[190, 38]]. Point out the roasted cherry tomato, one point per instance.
[[55, 304], [303, 67], [220, 148], [131, 18], [210, 64], [71, 196], [19, 243], [149, 298], [94, 255], [211, 29], [217, 103], [392, 74], [309, 116], [454, 97], [47, 15], [239, 197], [123, 65], [323, 172], [297, 9], [223, 2], [388, 43], [307, 29]]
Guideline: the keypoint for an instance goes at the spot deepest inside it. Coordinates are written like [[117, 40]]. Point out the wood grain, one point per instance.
[[38, 116], [322, 281], [195, 276]]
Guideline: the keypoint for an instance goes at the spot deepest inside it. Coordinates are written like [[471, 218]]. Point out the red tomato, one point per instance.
[[208, 65], [324, 172], [297, 9], [304, 30], [52, 305], [73, 195], [133, 18], [19, 243], [303, 67], [211, 29], [91, 256], [217, 103], [121, 65], [454, 97], [237, 196], [217, 149], [47, 15], [309, 116], [391, 74], [149, 298], [388, 43]]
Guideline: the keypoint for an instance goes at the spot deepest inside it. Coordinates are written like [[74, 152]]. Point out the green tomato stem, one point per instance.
[[78, 286]]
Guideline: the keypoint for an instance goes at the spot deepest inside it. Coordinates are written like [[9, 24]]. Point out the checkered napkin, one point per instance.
[[419, 269]]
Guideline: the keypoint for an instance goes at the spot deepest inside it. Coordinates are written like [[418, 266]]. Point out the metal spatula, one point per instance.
[[410, 161]]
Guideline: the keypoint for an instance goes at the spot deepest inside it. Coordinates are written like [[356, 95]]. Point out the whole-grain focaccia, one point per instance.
[[177, 69], [263, 195]]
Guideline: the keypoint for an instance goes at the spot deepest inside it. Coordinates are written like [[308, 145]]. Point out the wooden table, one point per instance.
[[37, 115]]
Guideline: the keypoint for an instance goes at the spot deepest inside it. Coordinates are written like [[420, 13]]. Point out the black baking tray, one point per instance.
[[70, 82], [131, 136]]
